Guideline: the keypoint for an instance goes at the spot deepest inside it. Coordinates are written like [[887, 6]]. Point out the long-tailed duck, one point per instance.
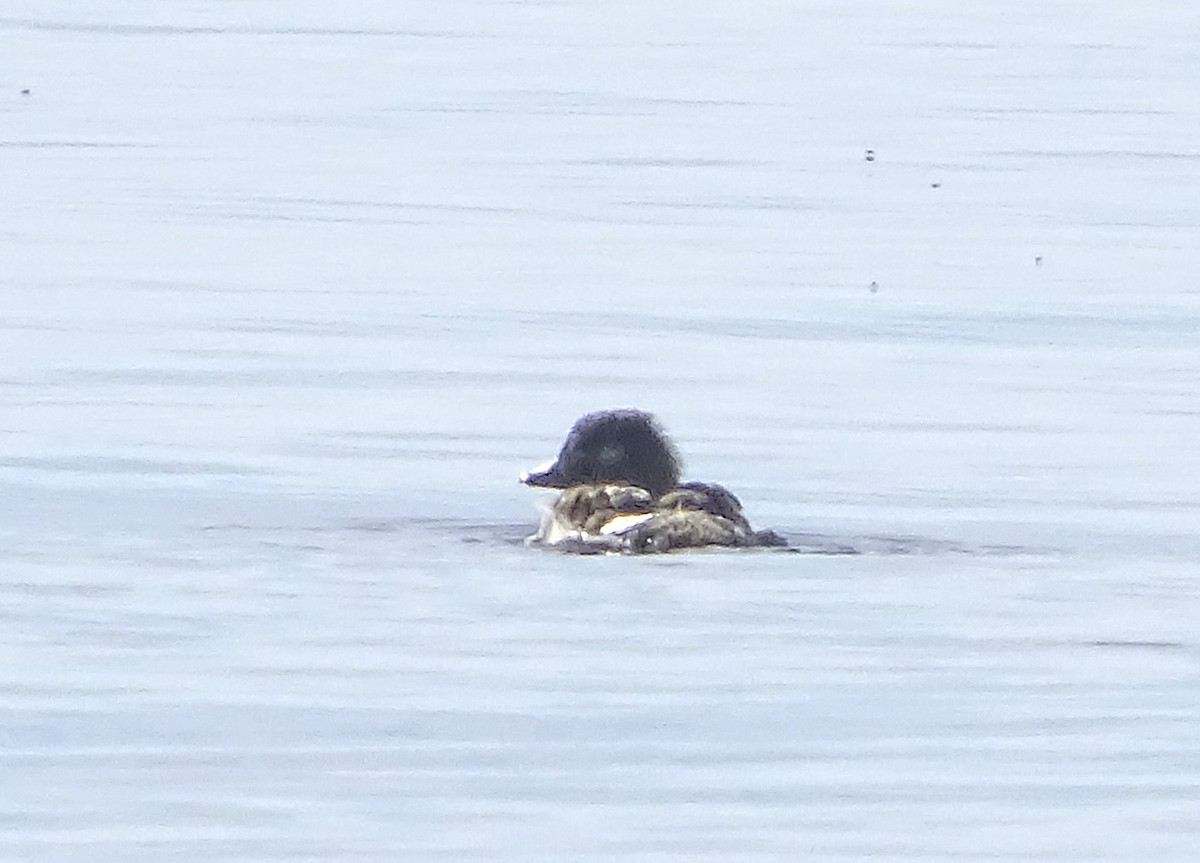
[[619, 475]]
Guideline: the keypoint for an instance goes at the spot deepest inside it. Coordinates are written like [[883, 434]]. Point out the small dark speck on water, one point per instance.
[[869, 155]]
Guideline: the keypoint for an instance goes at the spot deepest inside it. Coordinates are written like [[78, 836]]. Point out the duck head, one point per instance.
[[614, 446]]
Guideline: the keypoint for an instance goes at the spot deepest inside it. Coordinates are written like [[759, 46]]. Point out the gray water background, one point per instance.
[[289, 293]]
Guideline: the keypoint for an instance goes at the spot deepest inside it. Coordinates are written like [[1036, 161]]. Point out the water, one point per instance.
[[291, 295]]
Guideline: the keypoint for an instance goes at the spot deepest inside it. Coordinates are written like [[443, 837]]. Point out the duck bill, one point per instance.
[[543, 476]]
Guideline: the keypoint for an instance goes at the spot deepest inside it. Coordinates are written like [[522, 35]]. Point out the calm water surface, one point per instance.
[[289, 296]]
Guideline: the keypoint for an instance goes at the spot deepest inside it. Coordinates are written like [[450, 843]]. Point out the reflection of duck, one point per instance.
[[621, 492]]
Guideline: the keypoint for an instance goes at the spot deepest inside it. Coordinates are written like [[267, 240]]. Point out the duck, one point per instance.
[[618, 476]]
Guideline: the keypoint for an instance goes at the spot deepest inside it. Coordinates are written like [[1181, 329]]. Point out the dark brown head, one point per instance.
[[615, 446]]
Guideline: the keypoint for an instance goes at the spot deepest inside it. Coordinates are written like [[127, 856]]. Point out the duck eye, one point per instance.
[[610, 454]]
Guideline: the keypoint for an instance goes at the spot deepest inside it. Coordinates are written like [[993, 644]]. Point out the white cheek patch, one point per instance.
[[611, 454], [621, 523]]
